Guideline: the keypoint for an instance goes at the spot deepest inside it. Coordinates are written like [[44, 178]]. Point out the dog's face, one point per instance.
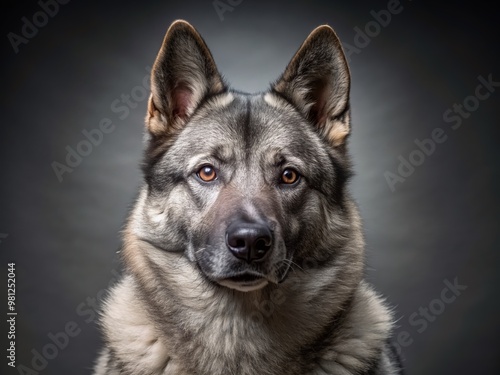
[[246, 185]]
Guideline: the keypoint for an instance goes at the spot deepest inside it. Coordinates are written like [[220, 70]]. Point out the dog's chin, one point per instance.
[[249, 280], [244, 286], [244, 282]]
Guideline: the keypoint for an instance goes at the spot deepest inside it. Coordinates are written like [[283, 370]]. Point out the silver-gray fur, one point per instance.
[[193, 300]]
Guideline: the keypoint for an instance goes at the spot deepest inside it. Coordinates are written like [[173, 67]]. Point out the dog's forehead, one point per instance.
[[249, 123], [252, 132]]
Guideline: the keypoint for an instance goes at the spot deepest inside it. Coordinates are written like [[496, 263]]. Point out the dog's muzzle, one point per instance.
[[250, 243]]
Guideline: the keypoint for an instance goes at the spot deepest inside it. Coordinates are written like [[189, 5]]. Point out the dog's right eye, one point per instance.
[[207, 173]]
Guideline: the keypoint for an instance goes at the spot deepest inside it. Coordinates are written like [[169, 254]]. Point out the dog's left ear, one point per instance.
[[317, 82]]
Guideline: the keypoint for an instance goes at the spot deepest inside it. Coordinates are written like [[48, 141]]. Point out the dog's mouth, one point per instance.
[[245, 282]]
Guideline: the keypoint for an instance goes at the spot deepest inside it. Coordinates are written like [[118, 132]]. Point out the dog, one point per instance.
[[244, 252]]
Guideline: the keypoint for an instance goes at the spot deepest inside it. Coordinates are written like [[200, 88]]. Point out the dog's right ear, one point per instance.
[[183, 74]]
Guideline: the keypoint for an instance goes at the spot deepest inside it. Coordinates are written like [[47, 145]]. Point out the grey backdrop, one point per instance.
[[438, 226]]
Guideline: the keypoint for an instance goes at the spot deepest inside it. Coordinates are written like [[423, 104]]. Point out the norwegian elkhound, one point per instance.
[[244, 252]]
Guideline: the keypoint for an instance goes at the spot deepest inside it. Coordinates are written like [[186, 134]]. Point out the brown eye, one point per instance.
[[289, 176], [207, 173]]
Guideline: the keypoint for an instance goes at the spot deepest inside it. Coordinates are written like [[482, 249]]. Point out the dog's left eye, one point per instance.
[[289, 176], [207, 173]]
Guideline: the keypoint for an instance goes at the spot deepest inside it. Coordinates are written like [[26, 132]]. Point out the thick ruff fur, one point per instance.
[[182, 307]]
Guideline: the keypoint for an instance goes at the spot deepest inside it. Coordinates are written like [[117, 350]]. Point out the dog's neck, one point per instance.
[[223, 331]]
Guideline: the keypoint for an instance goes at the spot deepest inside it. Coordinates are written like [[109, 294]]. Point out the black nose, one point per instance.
[[249, 241]]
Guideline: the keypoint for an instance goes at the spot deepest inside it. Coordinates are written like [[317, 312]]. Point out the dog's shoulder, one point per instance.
[[360, 343], [132, 342], [389, 362]]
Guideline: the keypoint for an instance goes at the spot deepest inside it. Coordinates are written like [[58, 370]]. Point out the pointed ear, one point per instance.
[[317, 82], [183, 74]]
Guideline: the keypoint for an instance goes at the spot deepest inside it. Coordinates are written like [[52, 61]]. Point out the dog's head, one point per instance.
[[247, 186]]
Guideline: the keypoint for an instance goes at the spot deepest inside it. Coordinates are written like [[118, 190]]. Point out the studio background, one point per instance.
[[434, 227]]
